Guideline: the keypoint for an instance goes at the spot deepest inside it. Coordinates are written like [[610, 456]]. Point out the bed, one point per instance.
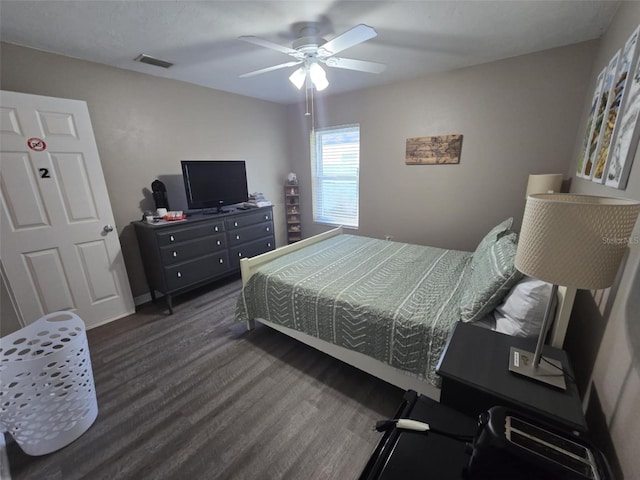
[[384, 307]]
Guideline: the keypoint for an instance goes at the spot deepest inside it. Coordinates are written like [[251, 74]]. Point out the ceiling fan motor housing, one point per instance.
[[308, 45]]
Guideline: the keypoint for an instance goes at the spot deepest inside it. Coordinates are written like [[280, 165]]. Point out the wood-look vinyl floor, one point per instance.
[[193, 395]]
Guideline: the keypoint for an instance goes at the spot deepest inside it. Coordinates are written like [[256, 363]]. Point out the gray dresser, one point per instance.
[[179, 256]]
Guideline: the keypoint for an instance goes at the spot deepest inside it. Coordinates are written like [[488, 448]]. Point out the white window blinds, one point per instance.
[[335, 166]]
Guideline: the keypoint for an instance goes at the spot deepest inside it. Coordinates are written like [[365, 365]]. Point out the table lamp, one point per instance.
[[570, 240]]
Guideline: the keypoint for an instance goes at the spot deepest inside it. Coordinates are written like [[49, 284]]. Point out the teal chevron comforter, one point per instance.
[[395, 302]]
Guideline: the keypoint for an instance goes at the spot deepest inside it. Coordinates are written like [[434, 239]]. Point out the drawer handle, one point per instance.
[[268, 229], [179, 275], [235, 224], [171, 238], [269, 244], [266, 217], [237, 237], [221, 260], [240, 254], [175, 254], [215, 229], [218, 242]]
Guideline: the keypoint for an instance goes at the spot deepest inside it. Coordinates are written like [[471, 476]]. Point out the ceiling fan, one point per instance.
[[310, 51]]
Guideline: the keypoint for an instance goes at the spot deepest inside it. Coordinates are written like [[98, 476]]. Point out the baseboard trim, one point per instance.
[[142, 299], [104, 322]]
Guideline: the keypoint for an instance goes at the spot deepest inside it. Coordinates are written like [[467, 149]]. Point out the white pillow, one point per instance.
[[522, 312], [488, 321]]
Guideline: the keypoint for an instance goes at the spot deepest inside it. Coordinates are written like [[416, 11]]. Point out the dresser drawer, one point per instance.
[[247, 234], [192, 249], [250, 249], [248, 219], [202, 268], [176, 235]]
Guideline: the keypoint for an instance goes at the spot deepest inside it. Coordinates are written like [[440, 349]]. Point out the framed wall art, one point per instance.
[[444, 149], [603, 107], [627, 129], [616, 105], [588, 134]]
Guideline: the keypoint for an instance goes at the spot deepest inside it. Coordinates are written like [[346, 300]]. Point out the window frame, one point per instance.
[[322, 181]]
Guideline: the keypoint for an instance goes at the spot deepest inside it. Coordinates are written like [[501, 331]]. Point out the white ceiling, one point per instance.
[[201, 37]]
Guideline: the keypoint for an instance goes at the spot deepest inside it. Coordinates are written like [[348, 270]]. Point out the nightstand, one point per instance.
[[475, 376]]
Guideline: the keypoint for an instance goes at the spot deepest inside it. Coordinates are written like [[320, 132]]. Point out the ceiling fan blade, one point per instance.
[[270, 69], [352, 64], [358, 34], [266, 43]]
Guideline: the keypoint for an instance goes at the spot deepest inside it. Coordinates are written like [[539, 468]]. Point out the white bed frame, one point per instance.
[[395, 376]]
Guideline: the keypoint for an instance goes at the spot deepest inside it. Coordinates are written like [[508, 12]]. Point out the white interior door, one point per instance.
[[58, 244]]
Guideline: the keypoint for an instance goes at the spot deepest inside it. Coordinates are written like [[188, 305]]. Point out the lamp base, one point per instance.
[[521, 362]]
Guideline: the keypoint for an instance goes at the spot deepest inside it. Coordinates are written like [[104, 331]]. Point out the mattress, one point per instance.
[[395, 302]]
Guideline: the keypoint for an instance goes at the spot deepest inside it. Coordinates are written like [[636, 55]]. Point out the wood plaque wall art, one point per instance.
[[444, 149]]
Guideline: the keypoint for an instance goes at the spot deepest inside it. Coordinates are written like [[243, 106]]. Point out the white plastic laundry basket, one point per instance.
[[47, 395]]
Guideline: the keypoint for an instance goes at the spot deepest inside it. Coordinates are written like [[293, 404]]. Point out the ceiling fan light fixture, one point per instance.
[[321, 84], [318, 77], [298, 77], [310, 50]]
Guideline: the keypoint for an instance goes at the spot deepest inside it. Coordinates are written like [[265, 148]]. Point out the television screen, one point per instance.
[[214, 183]]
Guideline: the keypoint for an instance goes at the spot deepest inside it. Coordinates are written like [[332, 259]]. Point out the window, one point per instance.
[[335, 166]]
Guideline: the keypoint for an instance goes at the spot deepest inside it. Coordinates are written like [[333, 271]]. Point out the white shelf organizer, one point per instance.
[[47, 394]]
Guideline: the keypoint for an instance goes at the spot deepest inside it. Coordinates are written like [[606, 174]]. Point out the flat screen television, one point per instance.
[[213, 184]]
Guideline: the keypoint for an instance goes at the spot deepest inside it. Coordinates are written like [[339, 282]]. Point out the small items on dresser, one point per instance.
[[160, 194], [257, 200]]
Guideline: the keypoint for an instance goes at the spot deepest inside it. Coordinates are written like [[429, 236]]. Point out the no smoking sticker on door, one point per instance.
[[36, 144]]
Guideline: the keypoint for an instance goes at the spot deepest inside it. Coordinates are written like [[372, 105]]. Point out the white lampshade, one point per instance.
[[298, 77], [575, 240], [318, 77], [545, 183]]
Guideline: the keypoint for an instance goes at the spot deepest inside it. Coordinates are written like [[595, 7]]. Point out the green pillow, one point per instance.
[[494, 234], [491, 275]]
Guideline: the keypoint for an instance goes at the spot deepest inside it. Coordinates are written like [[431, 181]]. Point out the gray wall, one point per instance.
[[518, 116], [603, 332], [145, 125]]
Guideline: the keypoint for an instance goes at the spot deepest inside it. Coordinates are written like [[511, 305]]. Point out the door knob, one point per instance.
[[107, 228]]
